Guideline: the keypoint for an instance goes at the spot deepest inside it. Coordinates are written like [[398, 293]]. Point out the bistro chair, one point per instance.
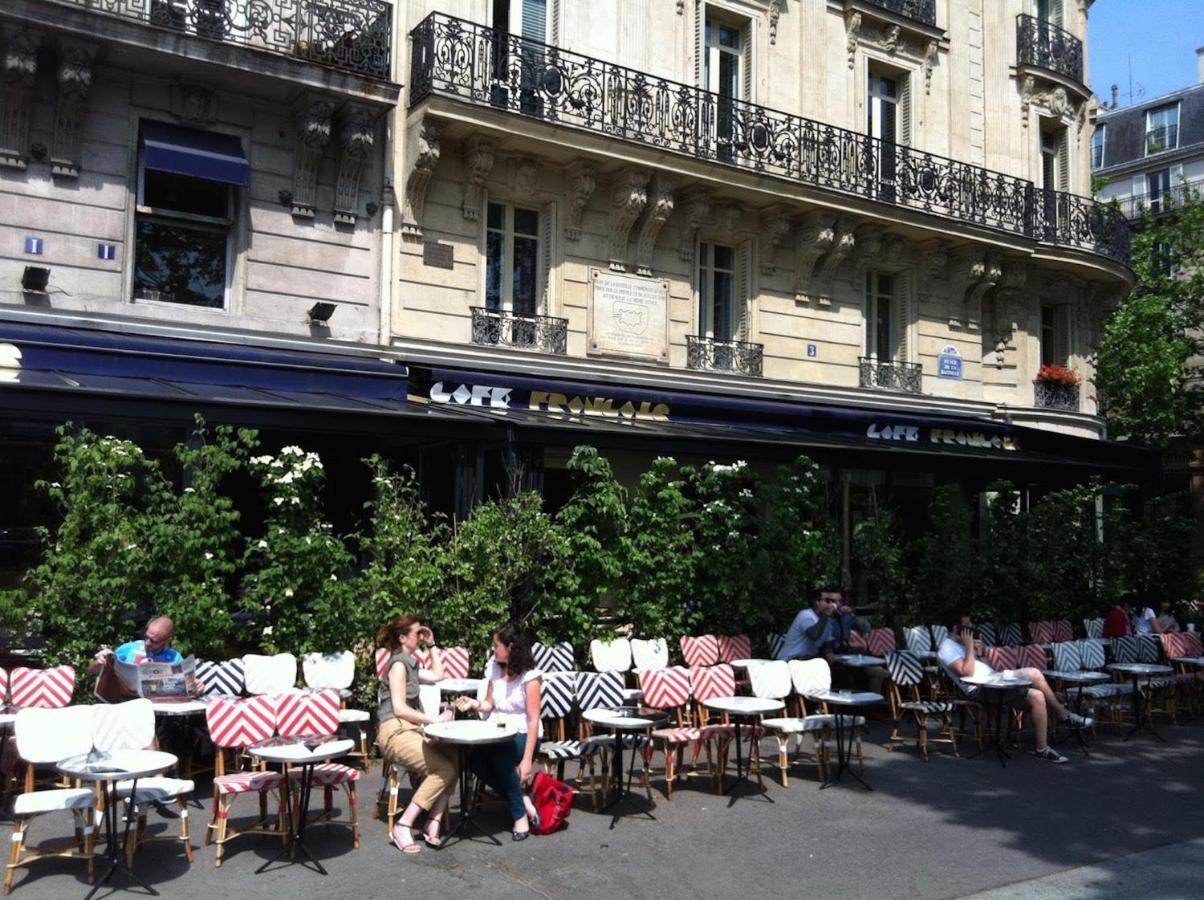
[[774, 644], [652, 653], [711, 682], [1032, 656], [668, 690], [1063, 631], [1041, 632], [1093, 628], [987, 634], [556, 705], [131, 726], [1002, 658], [880, 641], [614, 656], [45, 736], [270, 674], [554, 657], [938, 634], [918, 639], [734, 646], [222, 679], [811, 677], [604, 690], [700, 650], [771, 680], [429, 701], [41, 688], [235, 725], [906, 676], [381, 659], [1011, 635], [336, 671]]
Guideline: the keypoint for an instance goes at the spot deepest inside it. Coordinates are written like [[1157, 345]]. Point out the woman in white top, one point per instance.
[[512, 696]]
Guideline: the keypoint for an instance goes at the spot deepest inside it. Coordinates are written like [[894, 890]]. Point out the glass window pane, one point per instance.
[[723, 257], [883, 327], [526, 258], [890, 87], [729, 37], [729, 75], [497, 215], [181, 193], [495, 243], [723, 306], [705, 318], [179, 264], [526, 221]]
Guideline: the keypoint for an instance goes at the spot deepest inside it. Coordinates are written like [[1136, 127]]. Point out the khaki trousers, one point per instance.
[[402, 743]]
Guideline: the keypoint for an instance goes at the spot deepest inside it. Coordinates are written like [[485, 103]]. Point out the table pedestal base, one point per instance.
[[296, 829], [1142, 720], [114, 851], [844, 753], [614, 775], [466, 818], [743, 770]]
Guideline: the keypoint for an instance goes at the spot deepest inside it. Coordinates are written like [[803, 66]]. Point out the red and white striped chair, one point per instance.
[[326, 671], [700, 650], [706, 683], [1001, 658], [734, 646], [41, 688], [1063, 631], [455, 662], [312, 715], [1041, 632], [381, 658], [235, 725], [1032, 656], [668, 689], [880, 642], [3, 687]]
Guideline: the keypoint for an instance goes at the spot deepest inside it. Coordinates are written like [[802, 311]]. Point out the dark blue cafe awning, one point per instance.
[[190, 151]]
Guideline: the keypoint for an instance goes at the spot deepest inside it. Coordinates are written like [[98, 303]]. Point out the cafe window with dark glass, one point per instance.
[[182, 238], [512, 259]]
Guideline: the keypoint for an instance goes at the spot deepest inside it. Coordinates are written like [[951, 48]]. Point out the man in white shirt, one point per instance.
[[958, 653]]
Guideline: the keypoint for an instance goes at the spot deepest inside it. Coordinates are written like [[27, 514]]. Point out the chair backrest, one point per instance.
[[1192, 643], [611, 656], [774, 643], [905, 668], [708, 682], [123, 726], [918, 639], [881, 641], [305, 715], [770, 680], [1093, 628], [554, 657], [652, 653], [49, 734], [455, 662], [328, 670], [1041, 632], [226, 678], [4, 687], [734, 646], [270, 674], [381, 658], [1091, 654], [1011, 635], [1062, 631], [938, 633], [700, 649], [1149, 648], [810, 676], [987, 634], [599, 690], [1032, 655], [1173, 645], [241, 722], [422, 656], [556, 694], [1000, 658], [858, 642], [41, 688], [1124, 649], [1068, 656], [667, 688]]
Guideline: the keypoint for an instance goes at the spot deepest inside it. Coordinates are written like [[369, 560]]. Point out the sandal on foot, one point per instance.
[[519, 835], [434, 841], [412, 847]]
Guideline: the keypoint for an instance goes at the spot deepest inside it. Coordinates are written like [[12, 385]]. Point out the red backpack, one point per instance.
[[553, 801]]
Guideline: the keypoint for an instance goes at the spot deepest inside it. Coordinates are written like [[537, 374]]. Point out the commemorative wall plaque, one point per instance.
[[629, 316]]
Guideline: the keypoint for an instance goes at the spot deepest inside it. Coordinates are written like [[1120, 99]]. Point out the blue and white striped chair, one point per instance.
[[557, 701], [553, 657], [222, 679]]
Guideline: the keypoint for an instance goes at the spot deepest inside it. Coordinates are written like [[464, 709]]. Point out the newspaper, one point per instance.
[[156, 680]]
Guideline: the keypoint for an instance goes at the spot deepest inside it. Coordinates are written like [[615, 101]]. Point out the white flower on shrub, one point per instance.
[[262, 545], [278, 500], [208, 555], [267, 630], [288, 592], [189, 490], [334, 577]]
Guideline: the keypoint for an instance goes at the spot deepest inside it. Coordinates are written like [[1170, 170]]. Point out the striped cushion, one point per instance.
[[666, 688], [243, 722], [242, 782], [1000, 658], [455, 662], [1124, 649], [630, 741], [905, 668], [599, 690], [858, 642], [1031, 655], [1173, 645], [734, 646], [938, 633], [556, 694], [222, 678], [928, 707], [918, 639], [1011, 635], [881, 641], [1106, 691], [3, 687], [422, 656], [1192, 643], [568, 749], [300, 715], [42, 688], [1149, 648], [328, 774], [1091, 654], [554, 657], [678, 735], [1094, 628], [1062, 631], [382, 660], [1041, 632], [1067, 657], [794, 724], [986, 634], [707, 682], [700, 650]]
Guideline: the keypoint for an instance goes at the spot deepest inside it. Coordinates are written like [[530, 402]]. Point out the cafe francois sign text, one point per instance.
[[911, 434], [503, 397]]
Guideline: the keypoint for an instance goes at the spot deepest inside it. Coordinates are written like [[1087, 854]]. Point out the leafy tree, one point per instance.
[[946, 569], [878, 550], [593, 524]]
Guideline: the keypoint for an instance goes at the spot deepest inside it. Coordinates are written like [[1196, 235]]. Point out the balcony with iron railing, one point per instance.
[[1054, 396], [713, 355], [474, 64], [1159, 203], [501, 328], [350, 35], [890, 376], [1043, 45], [922, 11]]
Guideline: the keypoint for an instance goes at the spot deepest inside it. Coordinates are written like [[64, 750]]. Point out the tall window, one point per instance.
[[512, 259], [1162, 129], [1158, 187], [1098, 137], [528, 20], [724, 77], [883, 336], [882, 108], [717, 292], [1048, 10], [1055, 334], [1055, 173]]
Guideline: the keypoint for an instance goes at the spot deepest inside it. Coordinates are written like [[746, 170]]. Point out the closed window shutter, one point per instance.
[[535, 20], [547, 232], [700, 24], [554, 22], [743, 298], [902, 316], [1061, 336], [1063, 177], [905, 117], [1055, 11], [746, 63]]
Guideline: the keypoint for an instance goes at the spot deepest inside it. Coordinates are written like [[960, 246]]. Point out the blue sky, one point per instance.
[[1155, 40]]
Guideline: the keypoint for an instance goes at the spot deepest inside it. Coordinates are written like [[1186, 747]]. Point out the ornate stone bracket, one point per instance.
[[426, 157], [869, 242], [357, 132], [629, 199], [20, 64], [852, 25], [1007, 302], [934, 260], [831, 241], [74, 80], [931, 56], [973, 272], [193, 104], [1057, 101], [776, 7], [526, 176], [775, 226], [584, 181], [816, 236], [660, 207], [697, 210], [729, 217], [479, 162], [312, 118]]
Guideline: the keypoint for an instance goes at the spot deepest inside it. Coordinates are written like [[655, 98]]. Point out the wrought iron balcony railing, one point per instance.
[[1159, 202], [475, 64], [496, 327], [1069, 220], [923, 11], [1063, 397], [353, 35], [890, 376], [712, 355], [1043, 44], [1164, 137]]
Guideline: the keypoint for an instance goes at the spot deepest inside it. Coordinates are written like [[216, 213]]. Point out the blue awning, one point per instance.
[[189, 151]]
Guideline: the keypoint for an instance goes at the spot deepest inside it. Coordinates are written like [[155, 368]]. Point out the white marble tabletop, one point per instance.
[[1186, 660], [609, 718], [999, 680], [848, 698], [470, 731], [460, 685], [744, 706], [298, 754], [859, 660], [1141, 668], [120, 765]]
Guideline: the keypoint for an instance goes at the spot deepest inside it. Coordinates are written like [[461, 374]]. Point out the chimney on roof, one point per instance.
[[1200, 64], [1115, 95]]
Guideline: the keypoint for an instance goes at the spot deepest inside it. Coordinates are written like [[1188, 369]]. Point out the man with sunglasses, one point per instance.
[[155, 647]]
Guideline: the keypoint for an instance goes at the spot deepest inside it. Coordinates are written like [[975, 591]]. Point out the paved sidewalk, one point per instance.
[[946, 828]]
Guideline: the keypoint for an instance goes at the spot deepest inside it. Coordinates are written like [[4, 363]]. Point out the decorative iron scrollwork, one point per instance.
[[1049, 395], [1043, 44], [922, 11], [500, 328], [711, 355], [890, 376]]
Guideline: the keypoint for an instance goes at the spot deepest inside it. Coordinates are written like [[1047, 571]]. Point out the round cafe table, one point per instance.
[[842, 706], [621, 721], [997, 686], [460, 685], [1141, 707], [107, 769], [305, 753], [739, 708], [464, 735], [178, 713], [858, 660], [1081, 679]]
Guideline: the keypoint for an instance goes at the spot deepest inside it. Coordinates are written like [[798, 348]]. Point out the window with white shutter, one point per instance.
[[1055, 334], [743, 299]]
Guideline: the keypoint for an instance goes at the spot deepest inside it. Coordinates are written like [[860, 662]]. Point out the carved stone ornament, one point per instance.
[[20, 64], [74, 82], [193, 104], [824, 243], [697, 208], [681, 7], [1007, 306], [729, 217], [931, 57], [870, 243], [1056, 101], [775, 12], [816, 236], [775, 227], [312, 120], [426, 157], [629, 199], [526, 176], [357, 133], [584, 181], [659, 208], [890, 39], [852, 24], [973, 272], [479, 162]]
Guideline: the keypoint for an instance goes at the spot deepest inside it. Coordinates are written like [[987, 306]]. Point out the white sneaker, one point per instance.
[[1079, 721], [1050, 754]]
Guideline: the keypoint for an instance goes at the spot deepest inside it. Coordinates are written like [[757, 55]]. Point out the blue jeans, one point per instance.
[[497, 766]]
